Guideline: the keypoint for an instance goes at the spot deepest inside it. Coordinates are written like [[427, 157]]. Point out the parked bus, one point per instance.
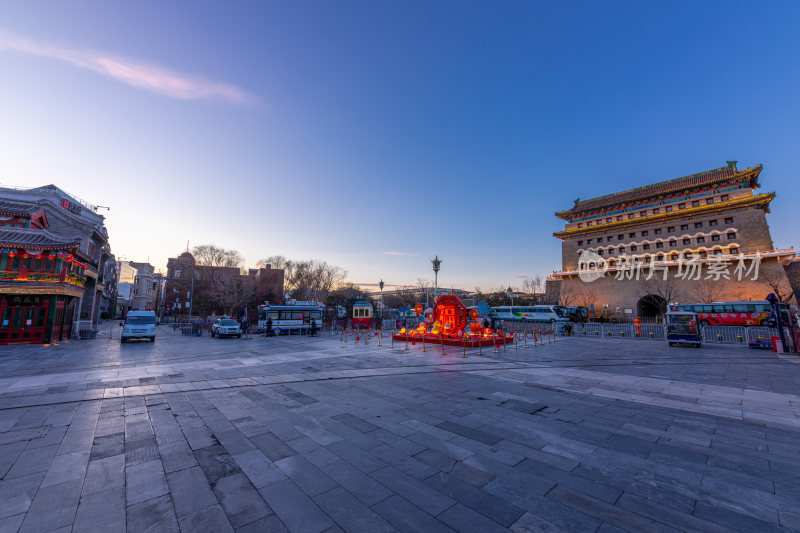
[[729, 313], [362, 314], [577, 313], [534, 313], [295, 316]]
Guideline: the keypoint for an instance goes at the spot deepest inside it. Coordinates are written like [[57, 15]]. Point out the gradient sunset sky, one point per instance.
[[375, 135]]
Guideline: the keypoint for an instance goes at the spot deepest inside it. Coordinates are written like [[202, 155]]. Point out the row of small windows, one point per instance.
[[672, 244], [657, 231], [654, 211]]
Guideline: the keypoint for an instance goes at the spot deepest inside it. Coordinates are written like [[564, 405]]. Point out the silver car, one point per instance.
[[226, 327]]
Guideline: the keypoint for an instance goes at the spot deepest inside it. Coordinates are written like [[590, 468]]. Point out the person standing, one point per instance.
[[269, 325]]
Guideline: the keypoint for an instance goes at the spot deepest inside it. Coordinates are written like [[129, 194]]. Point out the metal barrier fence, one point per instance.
[[726, 334], [711, 334], [616, 331]]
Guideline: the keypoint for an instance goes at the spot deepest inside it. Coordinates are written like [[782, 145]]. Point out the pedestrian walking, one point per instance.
[[244, 325], [269, 326]]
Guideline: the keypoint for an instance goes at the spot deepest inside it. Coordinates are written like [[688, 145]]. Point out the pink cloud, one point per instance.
[[134, 73]]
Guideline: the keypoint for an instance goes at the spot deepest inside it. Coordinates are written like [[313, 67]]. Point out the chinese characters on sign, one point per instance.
[[592, 266]]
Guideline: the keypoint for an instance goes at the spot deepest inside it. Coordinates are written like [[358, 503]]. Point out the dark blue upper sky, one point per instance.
[[346, 130]]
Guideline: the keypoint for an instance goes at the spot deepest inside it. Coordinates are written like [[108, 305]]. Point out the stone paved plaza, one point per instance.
[[313, 434]]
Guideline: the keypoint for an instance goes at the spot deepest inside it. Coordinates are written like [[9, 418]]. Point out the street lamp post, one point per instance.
[[380, 284], [437, 263]]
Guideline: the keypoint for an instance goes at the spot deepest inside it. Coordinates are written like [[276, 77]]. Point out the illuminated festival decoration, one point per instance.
[[451, 323]]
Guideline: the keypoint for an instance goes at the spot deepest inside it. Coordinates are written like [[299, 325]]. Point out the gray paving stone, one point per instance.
[[53, 507], [190, 491], [499, 511], [271, 446], [153, 516], [67, 467], [356, 482], [297, 512], [529, 523], [359, 424], [446, 448], [240, 500], [32, 461], [424, 497], [604, 511], [108, 446], [234, 441], [104, 474], [305, 475], [560, 515], [9, 454], [317, 454], [216, 462], [362, 460], [666, 515], [350, 513], [469, 432], [268, 524], [11, 524], [409, 465], [464, 519], [473, 476], [723, 518], [260, 470], [438, 461], [16, 494], [144, 482], [407, 517], [101, 512]]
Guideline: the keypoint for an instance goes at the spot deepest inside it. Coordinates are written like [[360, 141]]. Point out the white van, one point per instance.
[[139, 325]]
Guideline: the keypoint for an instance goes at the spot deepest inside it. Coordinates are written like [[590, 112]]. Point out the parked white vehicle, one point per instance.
[[139, 325], [534, 313], [226, 327]]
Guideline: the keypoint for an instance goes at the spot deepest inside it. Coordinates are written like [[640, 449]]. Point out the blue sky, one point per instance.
[[374, 135]]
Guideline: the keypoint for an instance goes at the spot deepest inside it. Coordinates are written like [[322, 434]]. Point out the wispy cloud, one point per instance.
[[397, 253], [133, 72], [521, 277]]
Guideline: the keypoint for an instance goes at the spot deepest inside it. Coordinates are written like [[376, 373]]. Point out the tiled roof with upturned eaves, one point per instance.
[[33, 238], [19, 208], [757, 200], [662, 188]]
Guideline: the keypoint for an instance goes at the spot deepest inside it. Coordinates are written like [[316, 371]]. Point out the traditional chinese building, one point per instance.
[[694, 239], [42, 278], [56, 269]]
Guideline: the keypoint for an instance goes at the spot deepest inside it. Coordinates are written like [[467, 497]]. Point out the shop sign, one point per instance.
[[71, 207], [24, 300]]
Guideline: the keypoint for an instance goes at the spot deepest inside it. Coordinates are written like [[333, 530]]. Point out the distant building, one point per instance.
[[696, 238], [145, 297], [55, 262], [268, 283], [127, 288]]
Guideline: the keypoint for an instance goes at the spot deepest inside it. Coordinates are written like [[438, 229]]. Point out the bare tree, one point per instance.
[[307, 279], [778, 283], [587, 296], [214, 256], [534, 287], [233, 292], [708, 291], [561, 292]]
